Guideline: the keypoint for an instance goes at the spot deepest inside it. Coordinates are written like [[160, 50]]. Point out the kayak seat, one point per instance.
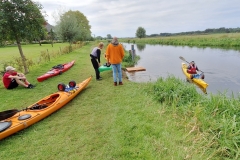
[[25, 116], [59, 66], [38, 106], [5, 125]]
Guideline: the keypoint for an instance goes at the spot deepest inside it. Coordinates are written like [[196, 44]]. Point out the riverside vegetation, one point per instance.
[[207, 40], [166, 119]]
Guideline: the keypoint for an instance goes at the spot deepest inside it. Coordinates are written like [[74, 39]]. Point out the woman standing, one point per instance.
[[95, 59]]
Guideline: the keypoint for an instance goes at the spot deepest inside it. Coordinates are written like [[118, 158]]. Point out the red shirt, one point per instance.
[[6, 80]]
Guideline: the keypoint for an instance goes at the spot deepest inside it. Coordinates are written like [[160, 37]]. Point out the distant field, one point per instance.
[[219, 40], [30, 50]]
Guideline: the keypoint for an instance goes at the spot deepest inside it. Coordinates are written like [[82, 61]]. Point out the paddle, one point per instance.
[[187, 62], [7, 114]]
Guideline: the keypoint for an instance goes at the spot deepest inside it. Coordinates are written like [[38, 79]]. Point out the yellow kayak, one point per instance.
[[200, 82], [12, 121]]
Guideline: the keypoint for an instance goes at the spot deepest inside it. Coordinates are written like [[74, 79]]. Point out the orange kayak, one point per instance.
[[12, 121]]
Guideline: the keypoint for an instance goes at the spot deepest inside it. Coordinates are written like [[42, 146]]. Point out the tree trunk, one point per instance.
[[22, 56], [52, 43], [39, 41]]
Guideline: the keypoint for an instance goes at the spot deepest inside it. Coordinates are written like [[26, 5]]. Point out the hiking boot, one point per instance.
[[120, 83], [99, 79], [115, 83]]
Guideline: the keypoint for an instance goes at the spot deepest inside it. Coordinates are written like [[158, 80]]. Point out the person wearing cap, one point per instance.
[[11, 79], [115, 54]]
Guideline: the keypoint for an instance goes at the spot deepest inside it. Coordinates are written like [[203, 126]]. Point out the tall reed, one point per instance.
[[213, 119]]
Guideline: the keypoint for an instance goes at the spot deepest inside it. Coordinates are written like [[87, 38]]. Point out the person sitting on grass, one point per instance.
[[11, 79]]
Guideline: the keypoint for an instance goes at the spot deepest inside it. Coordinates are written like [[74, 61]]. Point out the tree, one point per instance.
[[51, 36], [68, 28], [83, 24], [19, 19], [109, 36], [141, 32], [99, 37]]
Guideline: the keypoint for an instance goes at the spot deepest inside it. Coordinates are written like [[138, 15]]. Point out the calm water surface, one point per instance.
[[221, 67]]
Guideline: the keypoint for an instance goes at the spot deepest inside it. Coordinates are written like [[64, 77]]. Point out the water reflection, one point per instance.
[[141, 47], [220, 66]]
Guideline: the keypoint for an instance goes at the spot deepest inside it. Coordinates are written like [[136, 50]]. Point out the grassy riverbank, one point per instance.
[[167, 119], [214, 40]]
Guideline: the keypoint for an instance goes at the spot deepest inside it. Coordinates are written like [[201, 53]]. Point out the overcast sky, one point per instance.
[[121, 18]]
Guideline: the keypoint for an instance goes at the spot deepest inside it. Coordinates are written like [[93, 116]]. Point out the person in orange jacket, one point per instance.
[[115, 54]]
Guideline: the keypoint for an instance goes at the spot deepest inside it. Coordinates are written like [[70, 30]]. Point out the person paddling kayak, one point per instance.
[[192, 69]]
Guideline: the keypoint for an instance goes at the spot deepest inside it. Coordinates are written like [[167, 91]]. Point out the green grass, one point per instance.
[[30, 51], [211, 40], [133, 121]]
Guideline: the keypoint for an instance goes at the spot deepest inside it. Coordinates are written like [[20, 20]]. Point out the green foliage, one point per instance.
[[173, 91], [141, 32], [82, 23], [129, 61], [206, 31], [44, 56], [68, 28], [214, 40], [109, 36], [213, 120], [141, 47], [20, 19]]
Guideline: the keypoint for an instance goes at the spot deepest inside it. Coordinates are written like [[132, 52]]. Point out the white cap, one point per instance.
[[10, 68]]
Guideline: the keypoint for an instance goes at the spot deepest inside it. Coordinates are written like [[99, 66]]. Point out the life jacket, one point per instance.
[[192, 70], [94, 52]]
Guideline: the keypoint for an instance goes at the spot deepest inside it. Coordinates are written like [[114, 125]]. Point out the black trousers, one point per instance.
[[95, 66]]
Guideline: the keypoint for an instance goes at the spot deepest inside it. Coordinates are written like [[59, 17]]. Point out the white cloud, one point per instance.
[[122, 17]]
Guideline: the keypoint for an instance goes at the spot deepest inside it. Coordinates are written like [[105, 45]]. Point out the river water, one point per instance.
[[220, 66]]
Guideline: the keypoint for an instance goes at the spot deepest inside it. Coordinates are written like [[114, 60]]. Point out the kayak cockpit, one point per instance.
[[45, 103]]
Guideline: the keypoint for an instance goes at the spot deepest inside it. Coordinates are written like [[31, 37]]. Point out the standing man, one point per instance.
[[95, 59], [115, 54], [11, 79]]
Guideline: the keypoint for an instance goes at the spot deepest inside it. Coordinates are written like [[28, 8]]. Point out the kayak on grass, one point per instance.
[[197, 78], [12, 121], [105, 67], [56, 70]]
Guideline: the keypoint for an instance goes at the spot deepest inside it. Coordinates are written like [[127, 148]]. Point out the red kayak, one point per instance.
[[56, 70]]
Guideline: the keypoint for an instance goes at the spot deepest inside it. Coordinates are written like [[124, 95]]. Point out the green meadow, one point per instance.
[[205, 40], [166, 119]]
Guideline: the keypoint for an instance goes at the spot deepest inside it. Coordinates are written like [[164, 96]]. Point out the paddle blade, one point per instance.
[[182, 58], [7, 114]]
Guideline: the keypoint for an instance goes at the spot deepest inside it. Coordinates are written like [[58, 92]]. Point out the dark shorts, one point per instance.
[[13, 84]]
